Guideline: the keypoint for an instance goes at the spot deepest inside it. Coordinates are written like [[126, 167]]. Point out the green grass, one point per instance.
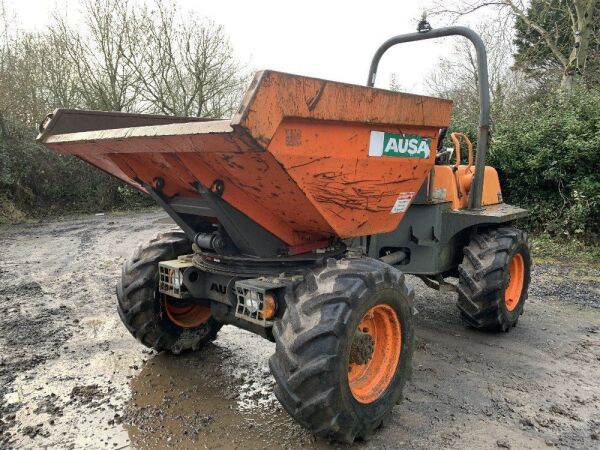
[[548, 249]]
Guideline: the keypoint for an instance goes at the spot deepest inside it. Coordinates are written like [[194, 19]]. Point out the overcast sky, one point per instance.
[[328, 38]]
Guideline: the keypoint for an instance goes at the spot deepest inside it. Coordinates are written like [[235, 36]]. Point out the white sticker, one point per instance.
[[376, 143], [402, 202]]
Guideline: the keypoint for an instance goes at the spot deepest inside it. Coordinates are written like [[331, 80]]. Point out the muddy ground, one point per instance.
[[72, 377]]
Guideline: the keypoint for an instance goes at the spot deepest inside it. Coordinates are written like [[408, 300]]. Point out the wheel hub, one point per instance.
[[185, 314], [362, 348], [514, 284], [374, 353]]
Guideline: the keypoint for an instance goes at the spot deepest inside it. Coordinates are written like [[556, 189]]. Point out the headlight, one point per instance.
[[253, 301], [176, 279], [256, 300]]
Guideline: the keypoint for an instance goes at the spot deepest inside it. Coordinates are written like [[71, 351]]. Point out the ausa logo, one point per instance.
[[218, 288], [399, 145]]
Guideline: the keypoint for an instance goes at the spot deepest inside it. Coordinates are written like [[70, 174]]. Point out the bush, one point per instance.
[[547, 152], [35, 181]]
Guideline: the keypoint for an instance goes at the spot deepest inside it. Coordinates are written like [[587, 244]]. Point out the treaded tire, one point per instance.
[[313, 341], [139, 305], [484, 275]]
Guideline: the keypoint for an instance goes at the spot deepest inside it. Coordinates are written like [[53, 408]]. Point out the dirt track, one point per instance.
[[72, 377]]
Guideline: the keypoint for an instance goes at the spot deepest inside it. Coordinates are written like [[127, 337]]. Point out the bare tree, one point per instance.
[[6, 61], [460, 68], [580, 12], [456, 76], [97, 53], [185, 65], [122, 56], [132, 57], [21, 98], [395, 84], [61, 79]]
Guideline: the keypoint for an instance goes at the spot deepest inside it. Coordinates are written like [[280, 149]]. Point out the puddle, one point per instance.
[[216, 398], [72, 402]]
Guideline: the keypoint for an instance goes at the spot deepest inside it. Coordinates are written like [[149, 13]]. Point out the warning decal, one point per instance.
[[402, 202]]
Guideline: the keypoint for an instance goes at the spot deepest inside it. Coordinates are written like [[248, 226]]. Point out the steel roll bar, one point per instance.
[[484, 91]]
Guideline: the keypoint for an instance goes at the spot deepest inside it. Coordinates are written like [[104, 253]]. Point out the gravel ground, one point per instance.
[[72, 377]]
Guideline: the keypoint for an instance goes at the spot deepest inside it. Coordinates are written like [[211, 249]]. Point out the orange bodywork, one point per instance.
[[353, 192], [295, 158], [453, 183]]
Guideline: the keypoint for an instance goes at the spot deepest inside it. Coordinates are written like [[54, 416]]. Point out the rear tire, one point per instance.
[[315, 338], [494, 278], [143, 310]]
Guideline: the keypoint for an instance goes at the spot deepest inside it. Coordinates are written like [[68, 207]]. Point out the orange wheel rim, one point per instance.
[[368, 381], [516, 278], [186, 316]]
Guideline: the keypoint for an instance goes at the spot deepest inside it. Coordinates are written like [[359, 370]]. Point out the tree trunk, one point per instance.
[[576, 64]]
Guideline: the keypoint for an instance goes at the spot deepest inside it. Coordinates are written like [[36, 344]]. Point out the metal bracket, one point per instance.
[[163, 202], [246, 235], [249, 237]]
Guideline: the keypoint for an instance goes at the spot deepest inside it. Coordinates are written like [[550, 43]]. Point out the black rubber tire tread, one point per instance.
[[483, 276], [312, 345], [139, 305]]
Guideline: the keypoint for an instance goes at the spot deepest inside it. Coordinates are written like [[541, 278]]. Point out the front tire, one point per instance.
[[494, 278], [156, 320], [344, 348]]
